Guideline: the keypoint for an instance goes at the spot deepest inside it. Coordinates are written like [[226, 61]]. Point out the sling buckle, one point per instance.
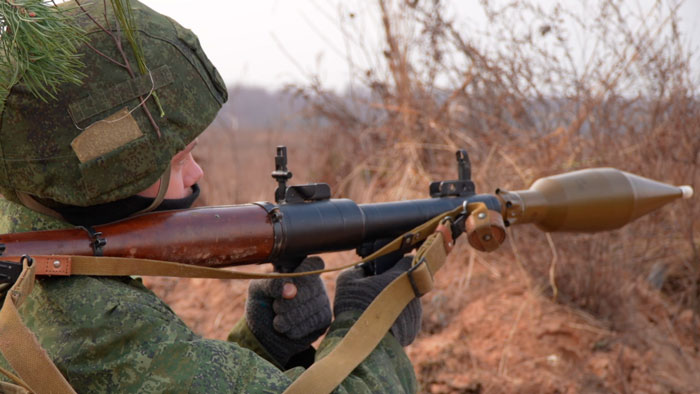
[[421, 278]]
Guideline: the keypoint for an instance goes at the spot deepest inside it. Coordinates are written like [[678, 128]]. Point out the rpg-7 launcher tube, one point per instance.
[[589, 200], [340, 224], [242, 234]]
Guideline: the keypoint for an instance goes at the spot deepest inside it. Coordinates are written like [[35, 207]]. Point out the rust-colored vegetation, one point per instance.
[[533, 96]]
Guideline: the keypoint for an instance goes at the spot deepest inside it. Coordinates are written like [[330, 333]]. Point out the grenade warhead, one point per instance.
[[590, 200]]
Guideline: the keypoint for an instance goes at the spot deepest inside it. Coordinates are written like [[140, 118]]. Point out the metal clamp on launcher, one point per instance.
[[11, 270], [97, 241]]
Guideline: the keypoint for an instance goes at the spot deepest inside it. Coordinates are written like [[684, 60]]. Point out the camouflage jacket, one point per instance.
[[111, 334]]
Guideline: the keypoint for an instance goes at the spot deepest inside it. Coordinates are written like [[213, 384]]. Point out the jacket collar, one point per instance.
[[15, 218]]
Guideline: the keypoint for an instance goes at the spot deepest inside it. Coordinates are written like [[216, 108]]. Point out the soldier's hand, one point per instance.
[[288, 315], [355, 290]]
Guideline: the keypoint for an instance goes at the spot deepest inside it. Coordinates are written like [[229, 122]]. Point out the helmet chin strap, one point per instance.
[[29, 202], [162, 189]]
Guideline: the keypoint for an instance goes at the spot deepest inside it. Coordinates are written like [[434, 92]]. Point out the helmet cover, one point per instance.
[[96, 143]]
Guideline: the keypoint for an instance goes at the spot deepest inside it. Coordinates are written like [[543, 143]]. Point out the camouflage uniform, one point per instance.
[[111, 334], [114, 335]]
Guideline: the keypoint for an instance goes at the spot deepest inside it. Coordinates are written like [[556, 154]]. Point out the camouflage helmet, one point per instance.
[[96, 143]]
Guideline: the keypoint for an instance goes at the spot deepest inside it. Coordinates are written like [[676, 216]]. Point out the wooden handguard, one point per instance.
[[211, 237]]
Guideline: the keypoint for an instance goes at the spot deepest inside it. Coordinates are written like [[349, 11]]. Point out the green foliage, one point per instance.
[[38, 45]]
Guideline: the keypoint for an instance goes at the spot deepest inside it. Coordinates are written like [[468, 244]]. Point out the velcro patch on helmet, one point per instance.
[[106, 135]]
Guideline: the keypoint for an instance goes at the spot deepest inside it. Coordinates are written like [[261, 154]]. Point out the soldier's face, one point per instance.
[[184, 172]]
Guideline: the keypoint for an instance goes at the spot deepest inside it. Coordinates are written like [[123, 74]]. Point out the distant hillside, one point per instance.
[[257, 108]]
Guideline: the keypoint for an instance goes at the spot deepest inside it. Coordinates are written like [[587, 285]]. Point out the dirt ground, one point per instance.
[[486, 327], [502, 337]]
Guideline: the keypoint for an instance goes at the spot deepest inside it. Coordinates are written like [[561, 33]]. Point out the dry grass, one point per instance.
[[533, 106], [625, 317]]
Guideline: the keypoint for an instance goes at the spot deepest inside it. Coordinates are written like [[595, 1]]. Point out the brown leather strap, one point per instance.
[[47, 265], [21, 348]]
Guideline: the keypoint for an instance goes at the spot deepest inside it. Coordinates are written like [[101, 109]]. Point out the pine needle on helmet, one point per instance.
[[38, 46]]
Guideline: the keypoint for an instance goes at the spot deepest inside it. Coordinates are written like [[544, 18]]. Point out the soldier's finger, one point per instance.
[[289, 291]]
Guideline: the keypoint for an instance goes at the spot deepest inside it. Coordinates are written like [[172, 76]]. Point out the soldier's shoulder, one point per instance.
[[15, 218]]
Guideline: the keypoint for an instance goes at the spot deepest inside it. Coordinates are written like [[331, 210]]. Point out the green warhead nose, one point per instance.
[[590, 200]]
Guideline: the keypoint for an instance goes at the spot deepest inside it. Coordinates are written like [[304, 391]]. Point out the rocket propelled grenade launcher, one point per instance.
[[304, 220]]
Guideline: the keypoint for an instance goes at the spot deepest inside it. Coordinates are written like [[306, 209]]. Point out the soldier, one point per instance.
[[101, 153]]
